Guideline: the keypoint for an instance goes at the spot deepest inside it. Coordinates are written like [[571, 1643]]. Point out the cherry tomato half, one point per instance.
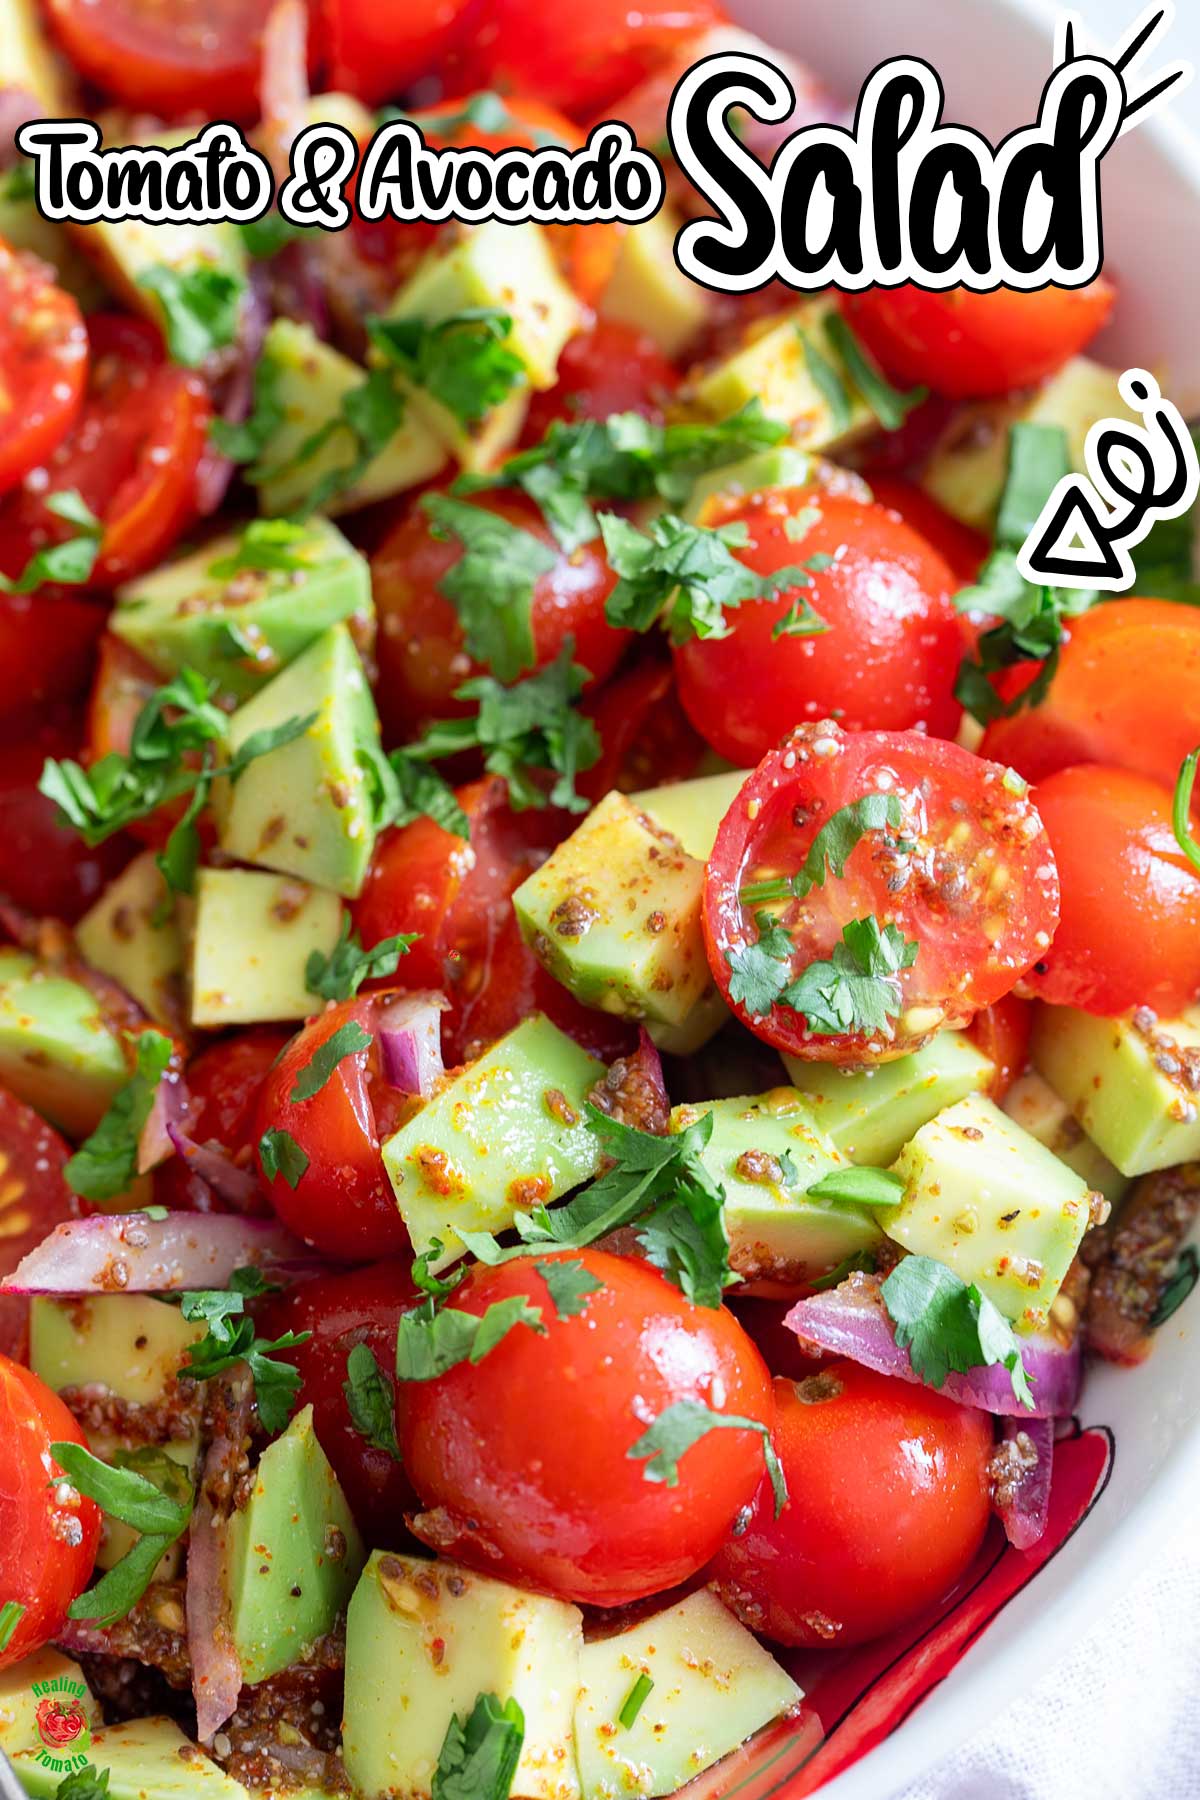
[[888, 1502], [1002, 1032], [569, 1510], [223, 1085], [48, 1545], [198, 56], [972, 346], [968, 875], [889, 656], [1129, 934], [34, 1198], [609, 369], [43, 363], [645, 737], [45, 866], [376, 51], [47, 650]]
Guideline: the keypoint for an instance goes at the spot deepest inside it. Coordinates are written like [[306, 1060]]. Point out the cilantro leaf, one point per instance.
[[200, 308], [857, 989], [863, 1260], [569, 1284], [686, 575], [266, 545], [11, 1614], [266, 237], [72, 560], [371, 1400], [680, 1426], [339, 975], [146, 1490], [491, 585], [370, 414], [859, 1186], [421, 792], [348, 1040], [830, 849], [760, 971], [463, 361], [88, 1783], [685, 1237], [231, 1339], [890, 406], [423, 1277], [246, 442], [634, 1701], [1181, 808], [105, 1164], [826, 377], [429, 1342], [282, 1155], [948, 1327], [479, 1756]]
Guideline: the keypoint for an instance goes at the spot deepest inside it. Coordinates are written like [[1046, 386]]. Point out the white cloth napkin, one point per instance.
[[1117, 1719]]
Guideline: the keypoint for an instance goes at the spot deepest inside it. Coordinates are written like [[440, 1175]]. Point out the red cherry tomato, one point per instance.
[[976, 890], [343, 1202], [961, 549], [343, 1310], [132, 455], [197, 56], [1126, 691], [376, 52], [888, 1502], [568, 1510], [43, 363], [645, 737], [420, 649], [45, 866], [34, 1198], [1129, 934], [223, 1084], [889, 657], [47, 650], [972, 346], [1002, 1032], [48, 1544], [609, 369]]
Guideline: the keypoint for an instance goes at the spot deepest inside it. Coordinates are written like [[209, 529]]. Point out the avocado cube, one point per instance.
[[967, 469], [649, 292], [146, 1759], [987, 1199], [773, 367], [28, 61], [870, 1113], [506, 1134], [1038, 1110], [131, 935], [22, 226], [45, 1675], [292, 1554], [766, 1150], [423, 1641], [714, 1686], [241, 629], [692, 810], [782, 467], [312, 379], [252, 935], [57, 1050], [309, 808], [1133, 1084], [614, 914], [130, 1344]]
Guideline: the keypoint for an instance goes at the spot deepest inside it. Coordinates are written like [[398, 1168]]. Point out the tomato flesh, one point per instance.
[[192, 56], [43, 363], [375, 52], [45, 866], [610, 369], [34, 1198], [223, 1085]]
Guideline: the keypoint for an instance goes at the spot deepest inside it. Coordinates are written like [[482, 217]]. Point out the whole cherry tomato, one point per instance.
[[610, 369], [223, 1085], [199, 56], [961, 549], [570, 1510], [45, 866], [43, 363], [973, 346], [888, 1502], [646, 738], [34, 1198], [48, 1545], [891, 645], [967, 876], [375, 52]]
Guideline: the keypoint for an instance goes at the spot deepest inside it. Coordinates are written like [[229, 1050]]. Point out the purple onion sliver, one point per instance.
[[237, 1187], [1023, 1496], [216, 1670], [410, 1043], [134, 1254]]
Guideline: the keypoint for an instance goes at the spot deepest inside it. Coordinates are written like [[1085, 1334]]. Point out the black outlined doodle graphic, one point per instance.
[[1136, 476]]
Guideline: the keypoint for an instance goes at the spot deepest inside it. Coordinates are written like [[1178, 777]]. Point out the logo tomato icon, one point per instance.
[[59, 1722]]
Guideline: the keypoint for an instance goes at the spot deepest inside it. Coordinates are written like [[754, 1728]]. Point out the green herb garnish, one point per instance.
[[680, 1426], [948, 1327], [105, 1164]]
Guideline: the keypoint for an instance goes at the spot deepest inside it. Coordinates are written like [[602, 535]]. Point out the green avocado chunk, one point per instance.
[[133, 936], [692, 810], [311, 807], [423, 1641], [1038, 1110], [130, 1344], [765, 1151], [774, 367], [251, 935], [146, 1759], [45, 1675], [504, 1135], [870, 1113], [292, 1554], [714, 1686], [649, 292], [240, 628], [57, 1050], [987, 1199]]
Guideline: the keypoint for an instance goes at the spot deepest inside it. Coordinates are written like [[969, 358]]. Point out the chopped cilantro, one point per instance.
[[145, 1489], [569, 1285], [370, 414], [828, 382], [830, 849], [491, 585], [858, 1260], [479, 1755], [339, 975], [371, 1400], [462, 361], [200, 307], [436, 1286], [231, 1339], [1181, 810], [857, 990], [88, 1783], [105, 1164], [429, 1341], [680, 1426], [246, 441], [70, 562], [858, 1185], [266, 237], [889, 405], [760, 971], [266, 545], [348, 1040], [419, 792], [947, 1326], [281, 1155], [11, 1614]]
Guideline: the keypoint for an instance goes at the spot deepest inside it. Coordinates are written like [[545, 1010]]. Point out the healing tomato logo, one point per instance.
[[59, 1722]]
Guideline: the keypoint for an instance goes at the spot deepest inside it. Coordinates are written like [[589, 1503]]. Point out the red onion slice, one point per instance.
[[157, 1140], [129, 1253], [216, 1168], [216, 1671], [410, 1043], [1023, 1466], [851, 1320]]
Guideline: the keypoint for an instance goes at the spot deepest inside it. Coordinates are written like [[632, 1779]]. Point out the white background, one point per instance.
[[1109, 18]]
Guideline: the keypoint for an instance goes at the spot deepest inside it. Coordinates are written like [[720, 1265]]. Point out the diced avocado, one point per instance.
[[870, 1113], [773, 368], [987, 1199], [1037, 1109], [423, 1641], [22, 226], [506, 1134], [649, 292], [45, 1675], [131, 935], [309, 808], [57, 1051], [1133, 1084], [146, 1759], [252, 935], [704, 1021], [28, 61], [128, 1343], [692, 810], [967, 469], [765, 1151], [292, 1554], [779, 468], [312, 379], [714, 1686], [614, 914], [241, 629], [117, 1538]]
